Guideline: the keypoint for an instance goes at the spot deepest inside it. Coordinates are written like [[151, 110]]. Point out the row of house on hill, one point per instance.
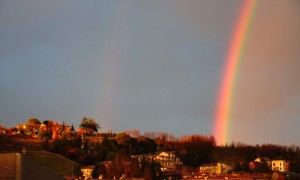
[[55, 128], [273, 165], [168, 161]]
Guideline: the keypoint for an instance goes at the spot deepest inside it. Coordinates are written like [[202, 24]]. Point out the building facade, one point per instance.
[[280, 165], [168, 160], [87, 171], [216, 168]]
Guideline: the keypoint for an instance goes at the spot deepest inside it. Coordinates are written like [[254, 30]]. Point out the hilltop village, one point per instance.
[[153, 155]]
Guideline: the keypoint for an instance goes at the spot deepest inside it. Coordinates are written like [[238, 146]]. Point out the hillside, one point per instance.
[[7, 145], [55, 162]]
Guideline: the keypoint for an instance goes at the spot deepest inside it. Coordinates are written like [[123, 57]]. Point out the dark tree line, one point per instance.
[[242, 154]]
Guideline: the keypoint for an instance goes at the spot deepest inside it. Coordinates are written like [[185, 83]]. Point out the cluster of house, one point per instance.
[[168, 161], [56, 129], [220, 168], [274, 165]]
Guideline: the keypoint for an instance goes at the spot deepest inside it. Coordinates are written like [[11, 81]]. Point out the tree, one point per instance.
[[196, 149], [49, 125], [146, 145], [33, 124], [72, 128], [14, 130], [89, 125], [99, 170], [263, 168]]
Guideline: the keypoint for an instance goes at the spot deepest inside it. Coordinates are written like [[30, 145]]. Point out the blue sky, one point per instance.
[[150, 65]]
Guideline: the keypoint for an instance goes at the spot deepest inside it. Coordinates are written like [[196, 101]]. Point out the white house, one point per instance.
[[168, 160], [280, 165], [87, 171]]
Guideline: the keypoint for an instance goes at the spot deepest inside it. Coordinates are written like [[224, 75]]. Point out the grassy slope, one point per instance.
[[56, 162]]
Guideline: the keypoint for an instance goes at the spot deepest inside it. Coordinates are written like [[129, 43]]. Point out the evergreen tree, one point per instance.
[[72, 128]]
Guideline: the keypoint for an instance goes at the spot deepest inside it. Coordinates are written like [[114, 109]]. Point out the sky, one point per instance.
[[151, 65]]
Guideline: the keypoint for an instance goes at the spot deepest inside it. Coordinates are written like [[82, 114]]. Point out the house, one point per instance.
[[21, 128], [87, 171], [280, 165], [259, 163], [168, 160], [265, 159], [253, 165], [66, 127], [58, 128], [2, 130], [217, 168]]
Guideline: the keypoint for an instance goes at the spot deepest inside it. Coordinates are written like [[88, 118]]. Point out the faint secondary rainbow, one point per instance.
[[111, 67], [234, 56]]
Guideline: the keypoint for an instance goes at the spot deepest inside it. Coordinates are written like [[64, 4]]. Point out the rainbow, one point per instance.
[[225, 100], [111, 58]]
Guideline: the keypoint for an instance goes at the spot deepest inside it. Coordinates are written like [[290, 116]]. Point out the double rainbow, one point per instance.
[[225, 100]]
